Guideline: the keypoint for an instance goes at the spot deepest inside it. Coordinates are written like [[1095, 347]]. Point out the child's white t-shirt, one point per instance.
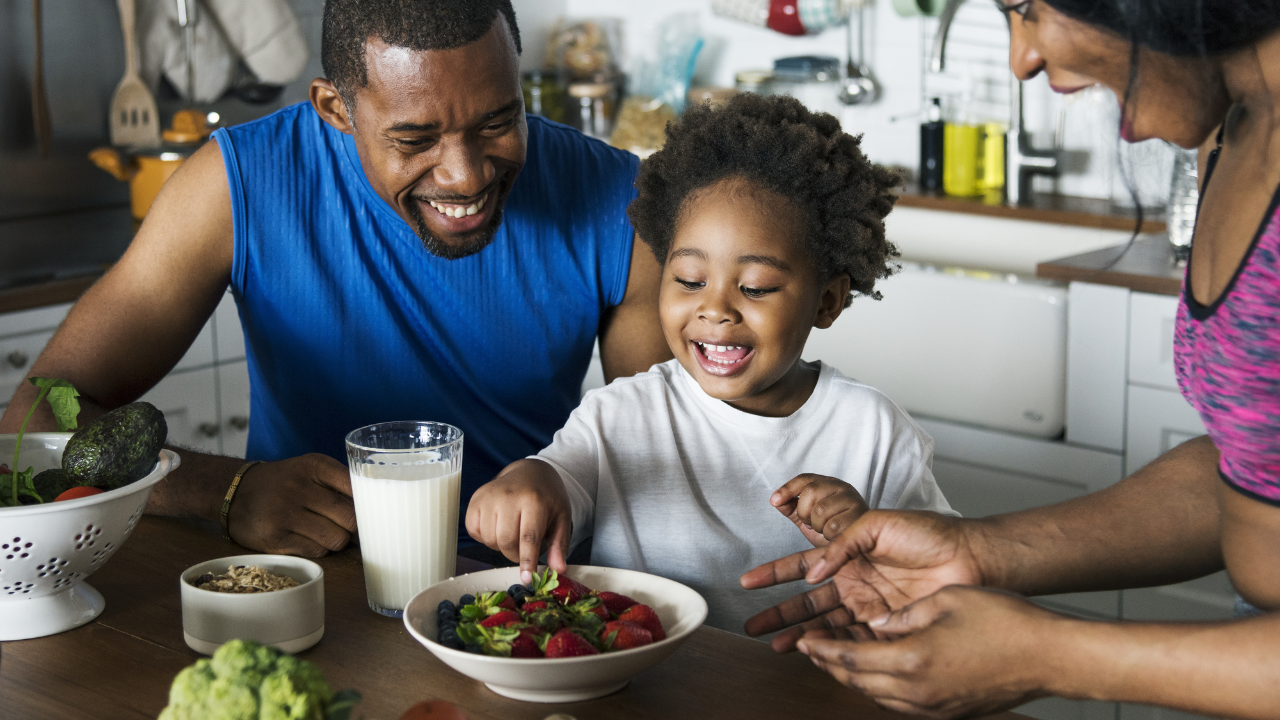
[[673, 482]]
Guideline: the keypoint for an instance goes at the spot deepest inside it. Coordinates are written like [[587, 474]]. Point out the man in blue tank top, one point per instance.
[[407, 246]]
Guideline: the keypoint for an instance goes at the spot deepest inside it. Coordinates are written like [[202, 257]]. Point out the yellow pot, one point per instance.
[[147, 169]]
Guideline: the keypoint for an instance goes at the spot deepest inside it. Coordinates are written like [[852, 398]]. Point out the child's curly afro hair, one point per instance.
[[775, 142]]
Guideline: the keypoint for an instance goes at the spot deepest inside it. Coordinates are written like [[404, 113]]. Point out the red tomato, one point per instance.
[[76, 493], [434, 710]]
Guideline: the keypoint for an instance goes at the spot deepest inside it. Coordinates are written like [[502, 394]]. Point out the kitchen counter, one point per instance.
[[1148, 266], [121, 664], [1059, 209]]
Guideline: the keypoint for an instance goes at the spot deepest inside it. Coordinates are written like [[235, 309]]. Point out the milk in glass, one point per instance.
[[407, 512]]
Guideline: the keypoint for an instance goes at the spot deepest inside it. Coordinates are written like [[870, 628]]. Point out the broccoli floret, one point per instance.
[[248, 681], [246, 660]]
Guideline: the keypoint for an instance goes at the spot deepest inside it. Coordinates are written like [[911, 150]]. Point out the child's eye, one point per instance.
[[757, 292], [690, 284]]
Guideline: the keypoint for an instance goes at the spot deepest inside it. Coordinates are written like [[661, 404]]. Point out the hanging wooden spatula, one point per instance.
[[133, 120]]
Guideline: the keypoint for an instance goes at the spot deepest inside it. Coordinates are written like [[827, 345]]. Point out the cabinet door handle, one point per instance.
[[238, 422], [18, 359], [209, 429]]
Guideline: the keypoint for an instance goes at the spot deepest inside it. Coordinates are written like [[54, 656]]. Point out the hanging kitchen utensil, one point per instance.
[[133, 118], [187, 19], [39, 100], [858, 87]]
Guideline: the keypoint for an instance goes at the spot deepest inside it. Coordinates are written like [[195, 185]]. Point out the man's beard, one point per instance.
[[440, 248]]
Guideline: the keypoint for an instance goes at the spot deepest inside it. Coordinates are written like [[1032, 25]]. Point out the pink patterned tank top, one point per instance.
[[1227, 357]]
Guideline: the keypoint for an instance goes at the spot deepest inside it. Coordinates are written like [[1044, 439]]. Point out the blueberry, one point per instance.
[[449, 638], [473, 649], [516, 590], [466, 600], [446, 606], [448, 624]]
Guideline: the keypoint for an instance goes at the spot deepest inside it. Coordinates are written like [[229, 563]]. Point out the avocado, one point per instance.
[[117, 448], [51, 483]]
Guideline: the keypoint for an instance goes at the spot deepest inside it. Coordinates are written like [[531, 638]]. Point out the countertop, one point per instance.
[[1146, 266], [121, 664], [1060, 209]]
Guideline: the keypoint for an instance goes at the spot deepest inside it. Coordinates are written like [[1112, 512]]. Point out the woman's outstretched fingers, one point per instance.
[[791, 567], [792, 611]]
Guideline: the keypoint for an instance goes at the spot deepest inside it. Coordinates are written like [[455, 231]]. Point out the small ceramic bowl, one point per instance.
[[556, 680], [290, 620]]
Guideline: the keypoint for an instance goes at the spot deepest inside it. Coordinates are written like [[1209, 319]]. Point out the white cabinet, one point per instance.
[[1159, 420], [205, 398], [233, 395], [1151, 321], [190, 405]]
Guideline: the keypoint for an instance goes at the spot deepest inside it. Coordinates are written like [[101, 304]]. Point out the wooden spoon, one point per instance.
[[133, 117]]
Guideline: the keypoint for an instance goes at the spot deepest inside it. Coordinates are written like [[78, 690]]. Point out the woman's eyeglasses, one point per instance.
[[1019, 8]]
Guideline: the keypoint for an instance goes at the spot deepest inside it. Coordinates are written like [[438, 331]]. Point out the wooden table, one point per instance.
[[121, 665]]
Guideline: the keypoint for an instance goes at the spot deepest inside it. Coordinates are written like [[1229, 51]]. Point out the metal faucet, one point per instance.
[[1022, 159]]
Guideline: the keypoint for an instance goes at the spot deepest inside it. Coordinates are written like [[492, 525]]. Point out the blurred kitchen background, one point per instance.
[[1026, 332]]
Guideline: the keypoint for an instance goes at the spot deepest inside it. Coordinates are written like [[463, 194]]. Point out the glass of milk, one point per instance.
[[406, 477]]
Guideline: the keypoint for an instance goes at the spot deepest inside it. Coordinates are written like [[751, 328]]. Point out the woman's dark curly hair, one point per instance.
[[775, 142]]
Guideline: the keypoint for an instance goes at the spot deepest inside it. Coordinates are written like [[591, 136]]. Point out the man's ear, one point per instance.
[[330, 106], [831, 303]]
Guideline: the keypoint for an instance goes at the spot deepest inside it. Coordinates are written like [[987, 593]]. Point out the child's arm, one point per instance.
[[525, 505], [822, 507]]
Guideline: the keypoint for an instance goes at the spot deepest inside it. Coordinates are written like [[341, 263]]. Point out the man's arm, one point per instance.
[[631, 339], [129, 330]]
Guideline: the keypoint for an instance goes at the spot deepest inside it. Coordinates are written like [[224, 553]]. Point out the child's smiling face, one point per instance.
[[740, 294]]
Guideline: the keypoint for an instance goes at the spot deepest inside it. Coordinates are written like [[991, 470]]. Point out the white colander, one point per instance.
[[46, 551]]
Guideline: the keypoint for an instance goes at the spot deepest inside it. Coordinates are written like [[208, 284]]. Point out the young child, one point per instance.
[[766, 219]]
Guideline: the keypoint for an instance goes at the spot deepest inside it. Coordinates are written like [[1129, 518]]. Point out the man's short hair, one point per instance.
[[414, 24]]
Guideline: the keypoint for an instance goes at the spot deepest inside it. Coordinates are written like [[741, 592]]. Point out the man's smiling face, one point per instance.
[[441, 135]]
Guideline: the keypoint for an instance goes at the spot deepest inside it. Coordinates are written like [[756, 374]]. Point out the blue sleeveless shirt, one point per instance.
[[349, 320]]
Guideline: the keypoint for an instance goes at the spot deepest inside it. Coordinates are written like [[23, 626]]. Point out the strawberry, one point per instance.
[[508, 604], [484, 605], [561, 588], [590, 605], [567, 643], [526, 644], [615, 603], [501, 619], [623, 635], [548, 620], [533, 606], [645, 617]]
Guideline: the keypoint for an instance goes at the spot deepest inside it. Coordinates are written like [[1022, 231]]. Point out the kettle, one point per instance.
[[147, 169]]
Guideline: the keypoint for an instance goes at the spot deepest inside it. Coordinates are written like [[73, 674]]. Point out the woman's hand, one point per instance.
[[822, 507], [883, 562], [960, 652], [518, 512]]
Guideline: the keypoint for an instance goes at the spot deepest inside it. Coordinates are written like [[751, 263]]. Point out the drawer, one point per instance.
[[16, 356], [25, 322], [1151, 319]]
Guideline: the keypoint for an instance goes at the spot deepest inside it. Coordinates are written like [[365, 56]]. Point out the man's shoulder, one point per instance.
[[559, 150], [288, 129]]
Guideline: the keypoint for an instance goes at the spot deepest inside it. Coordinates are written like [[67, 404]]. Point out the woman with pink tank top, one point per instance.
[[925, 614]]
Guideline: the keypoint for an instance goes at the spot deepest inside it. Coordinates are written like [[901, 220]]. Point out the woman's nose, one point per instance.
[[1025, 61]]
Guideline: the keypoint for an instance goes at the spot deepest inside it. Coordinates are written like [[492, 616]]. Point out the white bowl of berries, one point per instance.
[[558, 639]]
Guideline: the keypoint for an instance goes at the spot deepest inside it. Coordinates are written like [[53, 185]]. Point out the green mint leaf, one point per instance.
[[472, 613], [15, 485], [471, 634], [62, 398]]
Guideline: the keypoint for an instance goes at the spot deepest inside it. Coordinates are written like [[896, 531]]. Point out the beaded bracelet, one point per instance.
[[231, 492]]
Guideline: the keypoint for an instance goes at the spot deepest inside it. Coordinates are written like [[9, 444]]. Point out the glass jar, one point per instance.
[[592, 108], [543, 94]]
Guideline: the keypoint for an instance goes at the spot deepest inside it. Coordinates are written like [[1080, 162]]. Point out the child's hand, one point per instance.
[[822, 507], [517, 511]]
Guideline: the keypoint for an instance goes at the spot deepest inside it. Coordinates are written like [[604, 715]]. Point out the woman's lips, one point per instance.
[[722, 360]]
